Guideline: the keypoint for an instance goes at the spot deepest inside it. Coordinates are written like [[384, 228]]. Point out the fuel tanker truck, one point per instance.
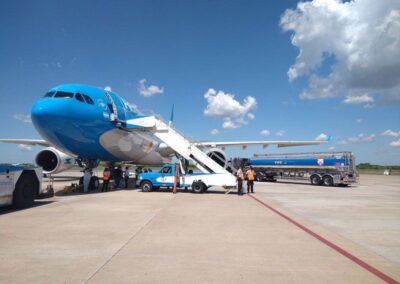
[[320, 168]]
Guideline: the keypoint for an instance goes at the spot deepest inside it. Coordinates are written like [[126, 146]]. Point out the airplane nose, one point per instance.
[[45, 112]]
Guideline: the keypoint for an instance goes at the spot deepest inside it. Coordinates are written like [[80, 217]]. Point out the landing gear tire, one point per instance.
[[315, 180], [146, 186], [25, 190], [327, 181], [198, 187], [94, 183]]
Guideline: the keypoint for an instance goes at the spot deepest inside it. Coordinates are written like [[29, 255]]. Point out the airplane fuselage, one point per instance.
[[84, 121]]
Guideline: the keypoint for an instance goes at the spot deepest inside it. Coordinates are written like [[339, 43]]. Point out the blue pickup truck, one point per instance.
[[198, 182]]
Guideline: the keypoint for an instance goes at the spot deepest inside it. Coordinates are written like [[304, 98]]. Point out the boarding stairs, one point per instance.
[[179, 143]]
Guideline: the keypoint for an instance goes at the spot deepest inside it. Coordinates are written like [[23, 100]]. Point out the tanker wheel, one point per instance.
[[327, 181], [315, 180]]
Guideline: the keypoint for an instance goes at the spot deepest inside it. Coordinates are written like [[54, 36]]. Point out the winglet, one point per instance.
[[171, 119], [329, 138]]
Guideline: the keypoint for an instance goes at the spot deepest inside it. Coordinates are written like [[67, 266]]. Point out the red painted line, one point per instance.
[[353, 258]]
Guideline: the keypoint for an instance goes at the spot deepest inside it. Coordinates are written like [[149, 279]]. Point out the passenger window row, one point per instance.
[[60, 94]]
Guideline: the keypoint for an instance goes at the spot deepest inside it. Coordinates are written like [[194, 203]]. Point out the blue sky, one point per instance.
[[241, 48]]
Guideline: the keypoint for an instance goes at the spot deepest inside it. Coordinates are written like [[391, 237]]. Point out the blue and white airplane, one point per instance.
[[89, 124]]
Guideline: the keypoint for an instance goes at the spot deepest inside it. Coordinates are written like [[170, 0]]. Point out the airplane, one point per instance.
[[84, 125]]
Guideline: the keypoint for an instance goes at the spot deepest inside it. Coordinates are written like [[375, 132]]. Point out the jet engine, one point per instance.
[[54, 161], [218, 156]]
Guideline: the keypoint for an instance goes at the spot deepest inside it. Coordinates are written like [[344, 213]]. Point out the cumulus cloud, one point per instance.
[[395, 143], [265, 132], [233, 113], [150, 90], [280, 133], [360, 138], [355, 100], [23, 117], [24, 148], [359, 42], [214, 131], [331, 148], [391, 133], [321, 137]]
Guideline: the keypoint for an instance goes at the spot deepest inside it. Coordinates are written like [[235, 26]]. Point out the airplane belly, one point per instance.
[[132, 146]]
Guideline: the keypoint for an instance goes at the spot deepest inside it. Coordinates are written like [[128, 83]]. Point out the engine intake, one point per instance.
[[54, 161]]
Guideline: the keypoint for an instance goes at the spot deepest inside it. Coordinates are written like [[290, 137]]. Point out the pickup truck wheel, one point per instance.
[[146, 186], [25, 190], [327, 181], [198, 187], [315, 180]]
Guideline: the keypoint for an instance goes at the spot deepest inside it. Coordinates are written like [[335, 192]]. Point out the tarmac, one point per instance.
[[283, 233]]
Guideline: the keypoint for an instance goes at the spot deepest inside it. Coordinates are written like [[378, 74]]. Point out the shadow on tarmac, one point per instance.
[[10, 209]]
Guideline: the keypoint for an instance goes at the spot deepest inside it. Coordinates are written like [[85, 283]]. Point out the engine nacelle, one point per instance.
[[218, 156], [54, 161]]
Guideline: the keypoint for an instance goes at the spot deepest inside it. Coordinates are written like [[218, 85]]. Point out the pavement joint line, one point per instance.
[[338, 249], [128, 241]]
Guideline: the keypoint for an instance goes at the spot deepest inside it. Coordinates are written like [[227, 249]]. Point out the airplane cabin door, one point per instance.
[[116, 107]]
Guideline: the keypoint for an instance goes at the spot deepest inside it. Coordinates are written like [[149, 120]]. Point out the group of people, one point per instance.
[[249, 176], [118, 175]]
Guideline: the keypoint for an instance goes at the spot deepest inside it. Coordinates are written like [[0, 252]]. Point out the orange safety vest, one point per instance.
[[250, 175], [106, 175]]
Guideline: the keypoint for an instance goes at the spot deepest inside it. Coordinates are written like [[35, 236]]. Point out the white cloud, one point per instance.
[[229, 124], [24, 148], [395, 143], [23, 117], [358, 120], [354, 100], [321, 137], [150, 90], [214, 131], [223, 105], [361, 41], [391, 133], [280, 133], [331, 148], [360, 138], [265, 132]]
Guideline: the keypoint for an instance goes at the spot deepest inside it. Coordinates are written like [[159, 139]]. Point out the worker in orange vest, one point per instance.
[[250, 180], [106, 179]]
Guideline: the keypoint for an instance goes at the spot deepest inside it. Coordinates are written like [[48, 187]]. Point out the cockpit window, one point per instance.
[[49, 94], [88, 99], [63, 95], [79, 97]]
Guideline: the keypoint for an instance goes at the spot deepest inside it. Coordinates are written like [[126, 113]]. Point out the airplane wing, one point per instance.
[[244, 144], [26, 142]]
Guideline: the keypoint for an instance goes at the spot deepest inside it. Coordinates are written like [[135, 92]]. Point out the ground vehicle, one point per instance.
[[20, 184], [322, 168], [198, 182]]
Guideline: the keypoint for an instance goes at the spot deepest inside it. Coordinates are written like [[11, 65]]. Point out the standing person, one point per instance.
[[126, 176], [117, 176], [134, 175], [250, 180], [240, 177], [106, 179], [86, 179]]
